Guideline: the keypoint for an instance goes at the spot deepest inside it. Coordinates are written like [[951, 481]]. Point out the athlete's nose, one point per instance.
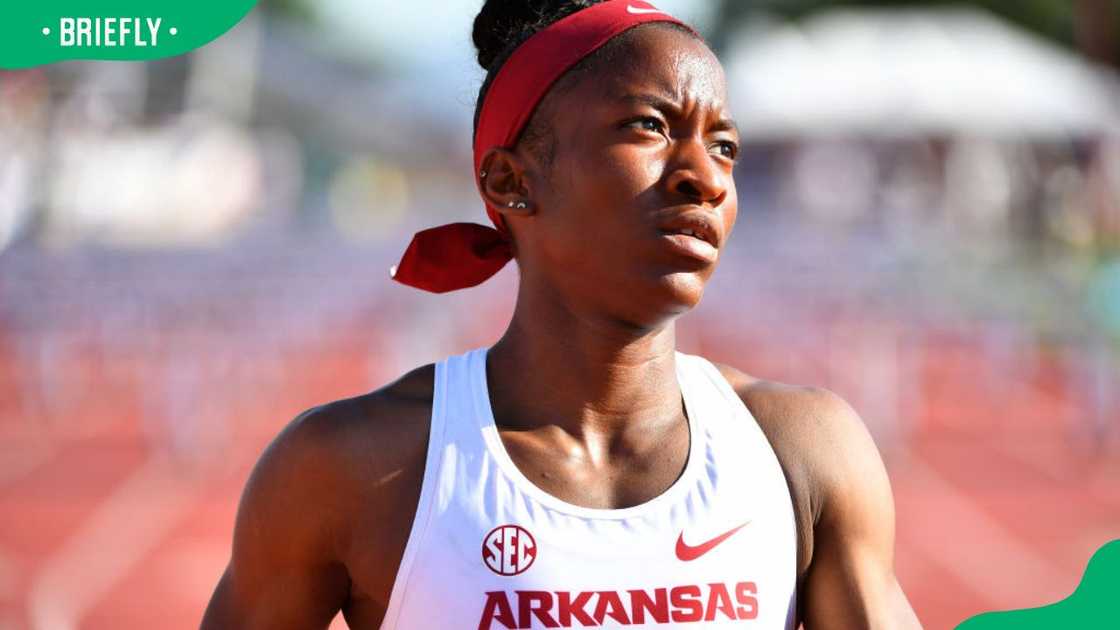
[[696, 175]]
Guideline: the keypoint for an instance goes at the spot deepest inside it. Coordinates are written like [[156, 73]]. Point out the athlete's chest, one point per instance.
[[565, 470], [712, 549], [491, 548], [699, 564]]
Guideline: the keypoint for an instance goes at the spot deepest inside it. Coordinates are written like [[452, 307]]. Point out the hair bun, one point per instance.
[[502, 25]]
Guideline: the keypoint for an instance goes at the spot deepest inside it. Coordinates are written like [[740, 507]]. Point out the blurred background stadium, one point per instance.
[[194, 250]]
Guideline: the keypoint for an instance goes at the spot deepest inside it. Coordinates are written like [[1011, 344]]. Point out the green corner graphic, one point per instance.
[[37, 33], [1094, 604]]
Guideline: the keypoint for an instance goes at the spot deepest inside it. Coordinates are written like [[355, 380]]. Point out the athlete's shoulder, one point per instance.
[[350, 447], [816, 422], [791, 407], [379, 426], [795, 419], [843, 478], [822, 441], [333, 480], [345, 447]]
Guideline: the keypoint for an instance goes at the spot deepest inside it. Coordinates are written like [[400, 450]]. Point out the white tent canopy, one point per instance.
[[912, 72]]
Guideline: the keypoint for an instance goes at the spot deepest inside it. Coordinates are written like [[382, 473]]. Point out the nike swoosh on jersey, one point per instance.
[[688, 553], [639, 11]]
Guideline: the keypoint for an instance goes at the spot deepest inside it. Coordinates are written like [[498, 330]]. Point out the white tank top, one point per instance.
[[489, 549]]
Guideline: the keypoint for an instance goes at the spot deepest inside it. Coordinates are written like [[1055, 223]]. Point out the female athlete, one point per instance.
[[581, 471]]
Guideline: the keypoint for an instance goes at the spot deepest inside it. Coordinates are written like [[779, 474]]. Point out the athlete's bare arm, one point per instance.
[[285, 569], [851, 581], [325, 515], [843, 504]]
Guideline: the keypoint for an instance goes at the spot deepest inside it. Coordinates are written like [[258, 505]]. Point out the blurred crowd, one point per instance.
[[128, 192]]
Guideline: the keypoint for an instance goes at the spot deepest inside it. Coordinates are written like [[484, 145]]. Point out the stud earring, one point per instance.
[[482, 174], [521, 205]]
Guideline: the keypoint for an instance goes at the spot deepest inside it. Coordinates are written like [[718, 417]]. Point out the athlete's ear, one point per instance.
[[505, 183]]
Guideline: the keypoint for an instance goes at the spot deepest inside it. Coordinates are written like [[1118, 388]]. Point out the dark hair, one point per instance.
[[503, 25]]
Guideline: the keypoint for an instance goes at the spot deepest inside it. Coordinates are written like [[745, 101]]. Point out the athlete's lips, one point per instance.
[[703, 225]]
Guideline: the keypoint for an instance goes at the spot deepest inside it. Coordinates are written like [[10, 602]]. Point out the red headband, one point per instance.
[[461, 255]]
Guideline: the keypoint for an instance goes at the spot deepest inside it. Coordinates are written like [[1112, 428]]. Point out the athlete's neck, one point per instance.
[[604, 383]]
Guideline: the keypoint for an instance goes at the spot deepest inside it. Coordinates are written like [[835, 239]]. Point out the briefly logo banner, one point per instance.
[[37, 33]]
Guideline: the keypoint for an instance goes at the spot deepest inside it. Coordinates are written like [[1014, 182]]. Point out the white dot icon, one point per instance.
[[174, 31], [46, 30]]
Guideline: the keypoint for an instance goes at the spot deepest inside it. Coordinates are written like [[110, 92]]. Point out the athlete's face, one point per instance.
[[644, 152]]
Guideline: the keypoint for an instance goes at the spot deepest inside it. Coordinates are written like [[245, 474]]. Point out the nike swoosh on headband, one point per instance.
[[640, 11]]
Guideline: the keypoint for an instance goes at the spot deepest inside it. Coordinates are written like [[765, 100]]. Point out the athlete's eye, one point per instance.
[[727, 149], [646, 123]]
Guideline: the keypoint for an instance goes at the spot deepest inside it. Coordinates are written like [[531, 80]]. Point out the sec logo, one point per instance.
[[509, 550]]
